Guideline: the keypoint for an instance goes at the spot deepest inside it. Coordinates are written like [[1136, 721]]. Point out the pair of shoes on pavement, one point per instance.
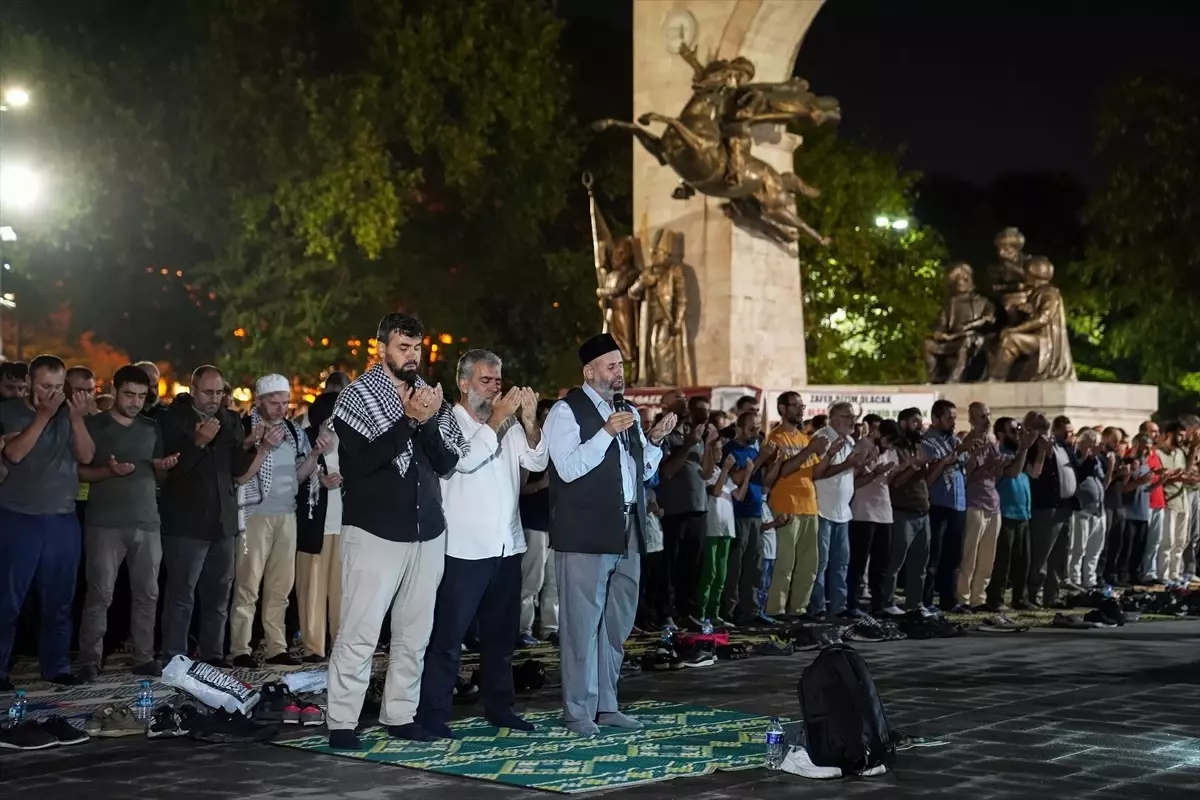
[[43, 734], [284, 659], [171, 723], [221, 727], [115, 721], [279, 704]]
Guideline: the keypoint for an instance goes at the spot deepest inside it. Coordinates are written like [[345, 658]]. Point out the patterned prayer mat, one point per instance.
[[678, 741]]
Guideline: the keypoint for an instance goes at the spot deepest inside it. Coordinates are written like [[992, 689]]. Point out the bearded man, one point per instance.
[[396, 439], [484, 544], [599, 463]]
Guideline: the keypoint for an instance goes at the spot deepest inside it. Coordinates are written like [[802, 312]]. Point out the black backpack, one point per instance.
[[845, 723]]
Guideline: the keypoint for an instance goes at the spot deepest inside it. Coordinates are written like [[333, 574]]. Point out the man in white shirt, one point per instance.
[[599, 460], [833, 477], [484, 544]]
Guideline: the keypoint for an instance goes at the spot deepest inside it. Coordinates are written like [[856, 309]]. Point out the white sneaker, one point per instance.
[[797, 762], [894, 611]]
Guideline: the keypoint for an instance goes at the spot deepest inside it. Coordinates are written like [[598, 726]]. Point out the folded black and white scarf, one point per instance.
[[371, 406], [256, 490]]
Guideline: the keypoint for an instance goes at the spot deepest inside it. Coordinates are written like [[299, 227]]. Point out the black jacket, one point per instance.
[[310, 530], [1044, 490], [199, 498], [381, 501]]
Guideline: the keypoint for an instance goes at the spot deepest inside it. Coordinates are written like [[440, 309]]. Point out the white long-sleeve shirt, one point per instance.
[[479, 499], [573, 459]]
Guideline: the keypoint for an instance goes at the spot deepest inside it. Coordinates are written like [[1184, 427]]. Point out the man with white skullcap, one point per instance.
[[283, 465]]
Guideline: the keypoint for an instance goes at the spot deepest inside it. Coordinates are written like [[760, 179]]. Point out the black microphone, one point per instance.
[[619, 404]]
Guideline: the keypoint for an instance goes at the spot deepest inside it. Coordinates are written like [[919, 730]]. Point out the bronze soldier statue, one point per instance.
[[1037, 347], [667, 355], [1008, 275], [958, 344], [619, 306]]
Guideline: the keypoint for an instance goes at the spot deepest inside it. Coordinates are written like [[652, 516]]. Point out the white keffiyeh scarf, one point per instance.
[[258, 488], [371, 406]]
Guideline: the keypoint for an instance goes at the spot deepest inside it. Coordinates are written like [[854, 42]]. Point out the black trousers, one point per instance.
[[679, 578], [870, 551], [491, 589], [1136, 531], [947, 527], [1011, 567]]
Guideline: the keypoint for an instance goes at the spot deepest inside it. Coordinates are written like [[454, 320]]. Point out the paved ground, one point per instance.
[[1049, 714]]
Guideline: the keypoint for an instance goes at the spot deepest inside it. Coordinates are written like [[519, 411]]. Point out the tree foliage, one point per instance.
[[871, 296], [1140, 302]]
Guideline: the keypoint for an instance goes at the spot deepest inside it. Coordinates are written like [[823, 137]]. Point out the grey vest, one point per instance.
[[587, 515]]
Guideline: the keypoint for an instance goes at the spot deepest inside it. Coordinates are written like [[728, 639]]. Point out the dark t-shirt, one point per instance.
[[535, 508], [684, 492], [46, 481], [129, 501]]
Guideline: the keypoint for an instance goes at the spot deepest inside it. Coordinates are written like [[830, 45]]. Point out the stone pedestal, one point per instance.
[[1120, 405], [745, 317]]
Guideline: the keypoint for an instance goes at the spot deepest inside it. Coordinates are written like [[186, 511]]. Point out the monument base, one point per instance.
[[1120, 405]]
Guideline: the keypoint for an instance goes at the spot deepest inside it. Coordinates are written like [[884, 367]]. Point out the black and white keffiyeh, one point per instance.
[[371, 406], [256, 490]]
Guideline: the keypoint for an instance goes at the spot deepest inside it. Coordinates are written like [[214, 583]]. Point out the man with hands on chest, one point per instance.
[[599, 462], [44, 440], [484, 544]]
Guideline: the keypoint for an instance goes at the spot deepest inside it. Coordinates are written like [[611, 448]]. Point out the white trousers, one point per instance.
[[378, 575], [1087, 542], [538, 583], [1174, 539]]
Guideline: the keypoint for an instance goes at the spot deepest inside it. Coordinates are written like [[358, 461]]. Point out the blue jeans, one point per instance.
[[833, 559], [39, 552]]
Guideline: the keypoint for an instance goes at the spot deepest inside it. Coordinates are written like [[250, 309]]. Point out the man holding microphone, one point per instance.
[[599, 459]]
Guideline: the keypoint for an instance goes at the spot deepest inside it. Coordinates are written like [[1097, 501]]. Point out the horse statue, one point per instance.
[[708, 144]]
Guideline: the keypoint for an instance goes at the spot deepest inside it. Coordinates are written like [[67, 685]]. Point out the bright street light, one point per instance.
[[18, 187], [16, 97], [7, 234], [899, 224], [882, 222]]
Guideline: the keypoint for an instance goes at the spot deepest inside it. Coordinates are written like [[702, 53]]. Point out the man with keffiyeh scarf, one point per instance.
[[397, 436], [267, 492]]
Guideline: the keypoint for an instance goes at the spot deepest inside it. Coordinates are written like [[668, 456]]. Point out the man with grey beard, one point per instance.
[[600, 460], [484, 544]]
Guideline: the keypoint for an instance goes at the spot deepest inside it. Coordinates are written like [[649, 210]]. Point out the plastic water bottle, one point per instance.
[[1108, 592], [143, 704], [16, 712], [776, 744], [706, 627]]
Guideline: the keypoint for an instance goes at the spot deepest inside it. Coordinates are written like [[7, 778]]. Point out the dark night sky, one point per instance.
[[974, 89]]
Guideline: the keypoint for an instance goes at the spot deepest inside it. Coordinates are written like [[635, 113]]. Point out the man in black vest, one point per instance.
[[599, 459]]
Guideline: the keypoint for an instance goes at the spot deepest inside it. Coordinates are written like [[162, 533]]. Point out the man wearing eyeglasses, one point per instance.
[[198, 506]]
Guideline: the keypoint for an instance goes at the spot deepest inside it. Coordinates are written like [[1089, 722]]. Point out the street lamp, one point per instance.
[[19, 186], [15, 97], [898, 224]]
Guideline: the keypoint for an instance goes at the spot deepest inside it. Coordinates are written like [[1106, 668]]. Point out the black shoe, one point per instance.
[[245, 661], [27, 736], [438, 729], [465, 692], [865, 630], [508, 719], [410, 731], [1021, 605], [702, 657], [552, 638], [88, 673], [221, 663], [344, 740], [222, 727], [6, 685], [150, 669], [64, 679], [275, 696], [284, 659], [313, 658], [165, 724], [63, 731]]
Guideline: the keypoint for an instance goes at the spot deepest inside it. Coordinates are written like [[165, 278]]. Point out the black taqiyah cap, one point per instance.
[[595, 347]]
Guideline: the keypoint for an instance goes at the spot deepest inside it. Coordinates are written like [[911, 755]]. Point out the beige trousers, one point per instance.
[[1174, 540], [378, 575], [979, 554], [795, 571], [265, 557], [319, 592]]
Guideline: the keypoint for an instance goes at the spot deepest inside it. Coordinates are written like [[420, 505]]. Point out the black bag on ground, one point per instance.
[[845, 724]]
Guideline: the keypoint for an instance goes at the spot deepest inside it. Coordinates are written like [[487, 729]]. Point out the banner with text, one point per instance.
[[885, 404]]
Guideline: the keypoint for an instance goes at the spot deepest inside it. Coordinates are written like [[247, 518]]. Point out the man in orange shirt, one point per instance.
[[792, 494]]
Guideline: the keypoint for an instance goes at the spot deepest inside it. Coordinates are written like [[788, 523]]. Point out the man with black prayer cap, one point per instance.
[[599, 460]]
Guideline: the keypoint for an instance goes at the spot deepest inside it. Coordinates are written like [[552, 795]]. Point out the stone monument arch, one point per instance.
[[747, 324]]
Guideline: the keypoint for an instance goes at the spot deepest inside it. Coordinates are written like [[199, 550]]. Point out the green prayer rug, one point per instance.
[[678, 741]]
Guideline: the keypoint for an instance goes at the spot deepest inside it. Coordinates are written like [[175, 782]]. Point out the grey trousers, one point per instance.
[[743, 574], [597, 600], [910, 549], [105, 549], [1193, 540], [193, 564], [1049, 548]]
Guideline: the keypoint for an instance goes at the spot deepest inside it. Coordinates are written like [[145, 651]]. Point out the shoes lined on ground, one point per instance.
[[115, 721], [313, 658], [630, 667], [864, 630], [775, 646], [284, 659], [999, 623], [529, 676], [701, 657], [732, 652], [148, 669], [465, 692], [64, 732], [1072, 621], [527, 640], [221, 727], [893, 611], [166, 724], [64, 679], [27, 736], [662, 658], [245, 661]]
